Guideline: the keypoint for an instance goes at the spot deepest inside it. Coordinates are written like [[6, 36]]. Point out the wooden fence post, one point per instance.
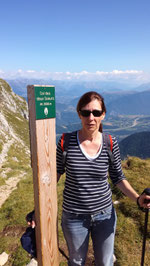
[[41, 102]]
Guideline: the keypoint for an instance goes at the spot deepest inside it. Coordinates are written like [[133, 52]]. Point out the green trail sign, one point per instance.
[[44, 101]]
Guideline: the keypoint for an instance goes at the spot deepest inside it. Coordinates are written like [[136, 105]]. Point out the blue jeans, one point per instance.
[[77, 228]]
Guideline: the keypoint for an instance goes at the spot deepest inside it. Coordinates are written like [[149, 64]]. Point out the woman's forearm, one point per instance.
[[128, 190]]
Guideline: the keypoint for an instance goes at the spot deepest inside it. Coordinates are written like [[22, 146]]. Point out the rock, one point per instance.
[[116, 202], [33, 262], [3, 258], [114, 258]]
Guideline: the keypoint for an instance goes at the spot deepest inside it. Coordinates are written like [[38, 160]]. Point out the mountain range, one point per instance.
[[128, 113], [137, 145], [120, 99], [75, 87]]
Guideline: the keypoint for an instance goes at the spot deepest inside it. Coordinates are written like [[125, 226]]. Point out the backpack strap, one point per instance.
[[106, 137], [109, 144], [64, 145]]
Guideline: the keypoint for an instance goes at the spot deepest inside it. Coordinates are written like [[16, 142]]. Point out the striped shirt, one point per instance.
[[87, 190]]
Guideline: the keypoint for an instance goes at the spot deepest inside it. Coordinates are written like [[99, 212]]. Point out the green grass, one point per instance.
[[129, 234], [17, 161], [6, 85], [2, 141], [1, 146], [12, 221], [130, 225], [60, 188], [2, 181]]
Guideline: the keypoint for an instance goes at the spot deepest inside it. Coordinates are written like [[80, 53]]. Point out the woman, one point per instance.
[[87, 204]]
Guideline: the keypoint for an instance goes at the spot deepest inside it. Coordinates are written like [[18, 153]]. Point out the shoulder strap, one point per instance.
[[109, 144], [64, 145], [106, 137]]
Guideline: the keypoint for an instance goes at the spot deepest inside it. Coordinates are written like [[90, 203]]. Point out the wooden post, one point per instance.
[[41, 102]]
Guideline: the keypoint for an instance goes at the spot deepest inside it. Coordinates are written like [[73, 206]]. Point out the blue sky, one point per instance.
[[70, 38]]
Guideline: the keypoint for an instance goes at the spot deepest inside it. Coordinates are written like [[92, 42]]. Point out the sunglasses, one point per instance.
[[86, 113]]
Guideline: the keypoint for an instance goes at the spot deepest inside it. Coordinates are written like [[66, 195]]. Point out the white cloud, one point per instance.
[[133, 76], [30, 71], [1, 72]]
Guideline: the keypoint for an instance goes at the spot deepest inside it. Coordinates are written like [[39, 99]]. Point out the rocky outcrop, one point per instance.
[[11, 105], [14, 132], [12, 101]]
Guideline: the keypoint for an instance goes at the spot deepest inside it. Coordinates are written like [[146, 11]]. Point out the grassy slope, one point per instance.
[[128, 245], [16, 164], [129, 233], [12, 221]]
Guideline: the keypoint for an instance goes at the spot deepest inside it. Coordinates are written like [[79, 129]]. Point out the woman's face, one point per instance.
[[92, 123]]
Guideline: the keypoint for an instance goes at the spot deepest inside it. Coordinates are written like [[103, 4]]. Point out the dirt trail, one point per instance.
[[5, 151], [10, 185]]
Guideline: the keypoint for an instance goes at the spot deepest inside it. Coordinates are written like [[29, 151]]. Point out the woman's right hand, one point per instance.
[[144, 201]]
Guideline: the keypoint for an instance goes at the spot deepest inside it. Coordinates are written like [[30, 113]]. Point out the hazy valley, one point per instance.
[[128, 109]]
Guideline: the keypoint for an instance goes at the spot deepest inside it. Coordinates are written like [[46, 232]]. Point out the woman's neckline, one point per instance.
[[90, 157]]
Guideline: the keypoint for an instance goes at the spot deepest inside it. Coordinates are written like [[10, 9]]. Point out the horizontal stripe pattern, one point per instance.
[[87, 190]]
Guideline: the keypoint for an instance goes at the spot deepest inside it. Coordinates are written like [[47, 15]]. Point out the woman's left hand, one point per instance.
[[30, 218]]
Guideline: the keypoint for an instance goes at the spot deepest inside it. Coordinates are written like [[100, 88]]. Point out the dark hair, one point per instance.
[[87, 98]]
